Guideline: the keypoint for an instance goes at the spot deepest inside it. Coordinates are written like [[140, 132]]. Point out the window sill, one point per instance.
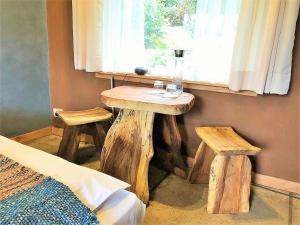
[[148, 79]]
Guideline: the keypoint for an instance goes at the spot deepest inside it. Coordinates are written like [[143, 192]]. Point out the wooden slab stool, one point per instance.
[[76, 122], [227, 168]]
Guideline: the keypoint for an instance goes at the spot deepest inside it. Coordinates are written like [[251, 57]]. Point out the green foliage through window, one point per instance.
[[162, 13]]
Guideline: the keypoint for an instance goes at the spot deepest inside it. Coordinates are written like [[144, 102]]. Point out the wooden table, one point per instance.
[[128, 147]]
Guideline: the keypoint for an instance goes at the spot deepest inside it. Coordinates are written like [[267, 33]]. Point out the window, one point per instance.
[[235, 42], [205, 29], [146, 32]]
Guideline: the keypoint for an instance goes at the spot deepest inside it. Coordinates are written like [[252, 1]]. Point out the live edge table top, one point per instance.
[[141, 98]]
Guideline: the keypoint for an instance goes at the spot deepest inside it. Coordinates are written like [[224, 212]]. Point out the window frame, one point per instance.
[[187, 84]]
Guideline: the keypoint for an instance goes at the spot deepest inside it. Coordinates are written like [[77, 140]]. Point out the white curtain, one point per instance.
[[263, 47], [87, 34], [214, 35], [244, 43], [108, 35], [123, 35]]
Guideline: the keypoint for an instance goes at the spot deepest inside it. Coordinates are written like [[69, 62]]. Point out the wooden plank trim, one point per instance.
[[23, 138], [275, 183], [57, 131], [266, 181], [148, 79]]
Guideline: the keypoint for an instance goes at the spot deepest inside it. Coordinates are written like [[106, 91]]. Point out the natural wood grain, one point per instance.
[[72, 118], [230, 171], [141, 98], [77, 122], [196, 85], [128, 149], [224, 141], [199, 173], [69, 144], [229, 184], [257, 179], [167, 141], [33, 135], [266, 181], [98, 131]]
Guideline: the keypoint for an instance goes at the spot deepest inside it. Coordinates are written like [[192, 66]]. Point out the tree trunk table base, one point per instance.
[[167, 145], [128, 147], [128, 150]]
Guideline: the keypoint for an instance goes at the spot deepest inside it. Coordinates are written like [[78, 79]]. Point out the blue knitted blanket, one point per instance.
[[27, 197]]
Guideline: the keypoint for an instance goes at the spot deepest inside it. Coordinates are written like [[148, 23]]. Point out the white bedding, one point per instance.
[[94, 189], [122, 208]]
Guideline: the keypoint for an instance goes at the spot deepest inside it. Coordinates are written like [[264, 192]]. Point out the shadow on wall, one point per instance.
[[19, 121], [24, 82]]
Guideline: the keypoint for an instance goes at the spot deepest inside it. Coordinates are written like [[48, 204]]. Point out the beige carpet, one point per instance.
[[174, 201]]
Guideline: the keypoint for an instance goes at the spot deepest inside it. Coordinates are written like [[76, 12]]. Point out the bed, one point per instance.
[[103, 194]]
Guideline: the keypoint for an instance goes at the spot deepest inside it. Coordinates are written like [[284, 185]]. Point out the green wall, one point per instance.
[[24, 83]]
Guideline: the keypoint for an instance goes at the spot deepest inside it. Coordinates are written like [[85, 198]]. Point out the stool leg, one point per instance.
[[70, 141], [199, 173], [98, 133], [229, 184]]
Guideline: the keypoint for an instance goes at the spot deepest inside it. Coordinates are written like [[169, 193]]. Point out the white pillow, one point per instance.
[[90, 186]]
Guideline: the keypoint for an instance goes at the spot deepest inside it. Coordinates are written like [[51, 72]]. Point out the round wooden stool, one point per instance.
[[77, 121]]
